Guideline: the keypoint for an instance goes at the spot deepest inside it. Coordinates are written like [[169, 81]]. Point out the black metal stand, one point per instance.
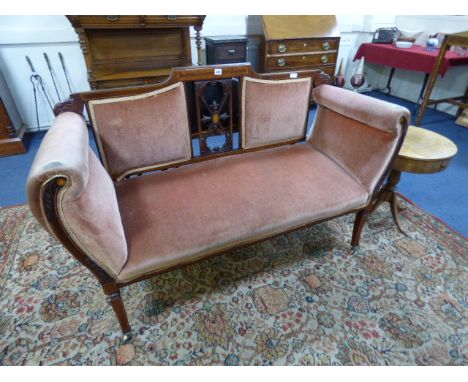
[[421, 93], [388, 88]]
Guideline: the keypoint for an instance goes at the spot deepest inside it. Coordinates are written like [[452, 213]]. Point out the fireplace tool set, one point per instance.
[[40, 86]]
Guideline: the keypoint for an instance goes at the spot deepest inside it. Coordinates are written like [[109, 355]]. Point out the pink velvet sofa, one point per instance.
[[125, 226]]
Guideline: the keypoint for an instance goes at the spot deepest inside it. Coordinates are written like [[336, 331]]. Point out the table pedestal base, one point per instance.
[[387, 194]]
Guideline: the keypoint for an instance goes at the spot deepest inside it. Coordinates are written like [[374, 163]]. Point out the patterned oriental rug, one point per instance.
[[300, 299]]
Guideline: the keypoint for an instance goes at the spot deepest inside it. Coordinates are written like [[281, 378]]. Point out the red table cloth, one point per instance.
[[416, 58]]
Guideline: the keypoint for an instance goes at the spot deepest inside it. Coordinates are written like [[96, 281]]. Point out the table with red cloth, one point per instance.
[[416, 58]]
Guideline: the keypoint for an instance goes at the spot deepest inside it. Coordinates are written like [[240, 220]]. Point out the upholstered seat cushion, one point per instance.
[[181, 215]]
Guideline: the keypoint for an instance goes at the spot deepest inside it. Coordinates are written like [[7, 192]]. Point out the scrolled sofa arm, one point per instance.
[[63, 152], [362, 134], [86, 204]]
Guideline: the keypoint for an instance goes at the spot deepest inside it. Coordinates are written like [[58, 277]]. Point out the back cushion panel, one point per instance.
[[273, 111], [339, 137], [143, 131]]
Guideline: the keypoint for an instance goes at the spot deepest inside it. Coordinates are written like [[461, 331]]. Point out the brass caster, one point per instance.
[[127, 337], [354, 249]]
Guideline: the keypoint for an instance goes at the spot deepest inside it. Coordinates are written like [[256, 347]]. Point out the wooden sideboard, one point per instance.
[[135, 50], [12, 127], [10, 142], [303, 44]]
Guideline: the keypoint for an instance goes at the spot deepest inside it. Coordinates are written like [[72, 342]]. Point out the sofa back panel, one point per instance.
[[93, 219], [274, 111], [338, 137], [142, 131]]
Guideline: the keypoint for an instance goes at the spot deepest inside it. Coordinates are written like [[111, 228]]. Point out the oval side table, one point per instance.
[[422, 152]]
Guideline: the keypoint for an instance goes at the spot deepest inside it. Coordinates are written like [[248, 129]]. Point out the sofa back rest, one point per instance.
[[144, 131], [274, 111], [144, 128], [346, 120]]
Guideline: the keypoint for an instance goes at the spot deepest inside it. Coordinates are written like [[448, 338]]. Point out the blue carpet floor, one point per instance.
[[444, 194]]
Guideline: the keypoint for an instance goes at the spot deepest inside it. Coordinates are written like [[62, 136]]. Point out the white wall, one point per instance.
[[33, 35]]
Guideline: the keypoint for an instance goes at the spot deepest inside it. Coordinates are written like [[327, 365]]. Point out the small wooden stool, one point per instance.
[[422, 152]]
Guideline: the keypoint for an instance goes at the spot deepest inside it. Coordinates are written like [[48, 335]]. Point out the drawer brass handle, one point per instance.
[[112, 18], [231, 51], [281, 48], [324, 59], [281, 62], [326, 45], [172, 17]]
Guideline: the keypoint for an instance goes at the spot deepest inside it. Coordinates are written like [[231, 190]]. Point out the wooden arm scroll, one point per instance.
[[72, 104], [321, 78]]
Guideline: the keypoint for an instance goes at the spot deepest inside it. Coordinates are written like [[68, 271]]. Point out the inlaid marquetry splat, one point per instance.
[[213, 101]]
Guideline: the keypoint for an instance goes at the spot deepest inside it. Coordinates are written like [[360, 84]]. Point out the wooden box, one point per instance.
[[225, 49]]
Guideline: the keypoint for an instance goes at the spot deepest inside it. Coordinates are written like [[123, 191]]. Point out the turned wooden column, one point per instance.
[[198, 42]]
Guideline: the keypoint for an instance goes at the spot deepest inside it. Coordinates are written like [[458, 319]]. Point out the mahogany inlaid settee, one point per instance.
[[149, 205]]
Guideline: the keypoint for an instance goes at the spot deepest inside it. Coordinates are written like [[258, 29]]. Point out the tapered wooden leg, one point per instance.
[[361, 217], [432, 81], [394, 209], [115, 300], [387, 194]]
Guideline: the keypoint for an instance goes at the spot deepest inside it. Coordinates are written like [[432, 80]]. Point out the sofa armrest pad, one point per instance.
[[63, 152], [370, 111], [87, 204]]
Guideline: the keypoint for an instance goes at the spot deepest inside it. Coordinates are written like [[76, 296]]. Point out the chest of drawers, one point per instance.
[[303, 44]]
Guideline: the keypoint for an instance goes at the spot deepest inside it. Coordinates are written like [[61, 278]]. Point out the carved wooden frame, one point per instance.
[[111, 287], [78, 101]]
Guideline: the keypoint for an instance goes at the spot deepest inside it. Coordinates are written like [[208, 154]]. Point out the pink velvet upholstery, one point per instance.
[[183, 214], [94, 219], [63, 151], [161, 220], [360, 133], [273, 111], [143, 131], [87, 205], [367, 110]]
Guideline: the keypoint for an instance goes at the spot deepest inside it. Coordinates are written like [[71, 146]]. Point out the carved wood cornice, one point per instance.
[[82, 40]]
